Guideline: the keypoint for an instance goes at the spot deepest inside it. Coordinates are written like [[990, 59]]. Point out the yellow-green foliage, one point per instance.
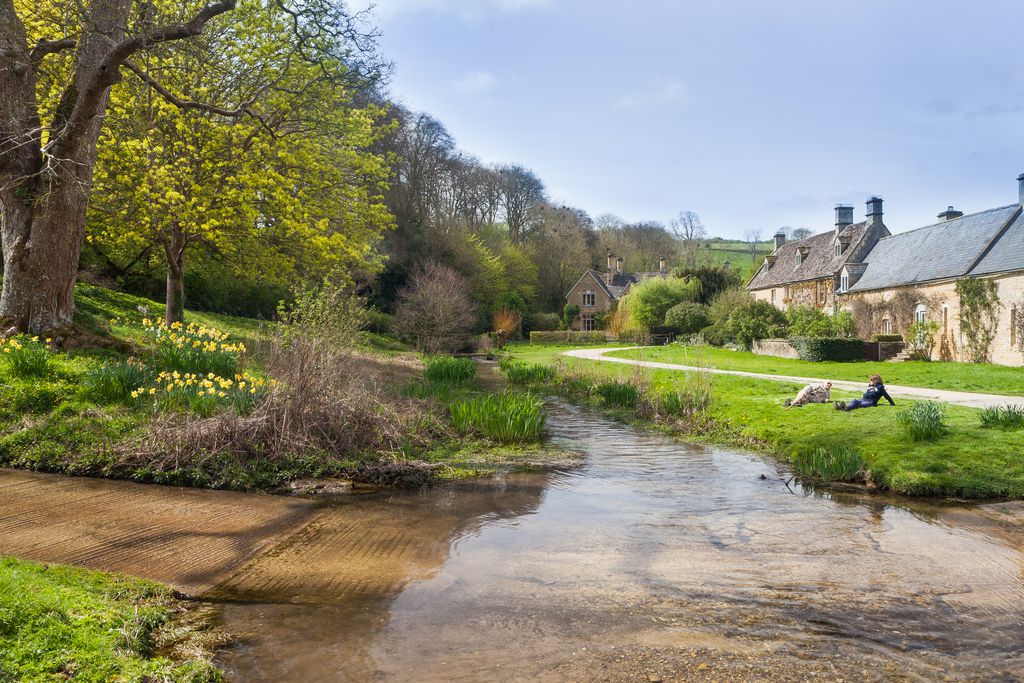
[[648, 301]]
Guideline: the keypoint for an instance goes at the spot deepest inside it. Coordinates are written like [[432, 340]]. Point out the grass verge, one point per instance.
[[67, 624]]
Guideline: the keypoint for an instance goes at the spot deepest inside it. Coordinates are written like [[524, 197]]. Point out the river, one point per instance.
[[655, 560]]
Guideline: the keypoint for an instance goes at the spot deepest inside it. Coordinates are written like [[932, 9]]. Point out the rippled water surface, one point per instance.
[[653, 560]]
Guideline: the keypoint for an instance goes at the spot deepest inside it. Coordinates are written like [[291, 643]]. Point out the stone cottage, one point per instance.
[[596, 292]]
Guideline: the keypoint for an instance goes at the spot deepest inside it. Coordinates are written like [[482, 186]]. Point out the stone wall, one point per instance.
[[800, 294], [774, 347]]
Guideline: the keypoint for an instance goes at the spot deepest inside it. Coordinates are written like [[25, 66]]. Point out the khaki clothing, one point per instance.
[[812, 393]]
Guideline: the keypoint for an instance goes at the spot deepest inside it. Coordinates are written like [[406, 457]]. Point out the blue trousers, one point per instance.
[[859, 403]]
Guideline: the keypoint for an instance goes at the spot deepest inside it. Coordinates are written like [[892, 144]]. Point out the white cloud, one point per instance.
[[469, 10], [671, 92], [476, 82]]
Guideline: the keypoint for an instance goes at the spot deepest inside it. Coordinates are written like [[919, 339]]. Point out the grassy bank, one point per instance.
[[991, 379], [58, 623], [968, 461]]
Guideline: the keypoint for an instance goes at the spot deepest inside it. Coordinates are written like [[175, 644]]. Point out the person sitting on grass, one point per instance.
[[812, 393], [875, 393]]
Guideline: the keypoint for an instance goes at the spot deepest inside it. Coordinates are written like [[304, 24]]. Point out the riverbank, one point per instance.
[[64, 623], [968, 461]]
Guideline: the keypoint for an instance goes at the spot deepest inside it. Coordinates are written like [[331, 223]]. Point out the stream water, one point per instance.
[[654, 560]]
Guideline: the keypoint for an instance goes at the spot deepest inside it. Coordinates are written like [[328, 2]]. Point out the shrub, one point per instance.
[[115, 382], [569, 314], [449, 370], [434, 312], [620, 393], [713, 279], [886, 338], [509, 417], [725, 302], [194, 348], [507, 323], [639, 337], [326, 312], [818, 349], [571, 337], [378, 321], [924, 421], [527, 373], [1006, 417], [830, 463], [687, 318], [715, 335], [26, 357], [808, 321], [544, 322], [755, 320], [921, 338], [649, 301]]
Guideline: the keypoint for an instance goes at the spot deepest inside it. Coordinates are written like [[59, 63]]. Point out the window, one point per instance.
[[1014, 318], [785, 293], [588, 321], [588, 298], [822, 293], [773, 295], [945, 321], [886, 326], [920, 313], [844, 283], [839, 248]]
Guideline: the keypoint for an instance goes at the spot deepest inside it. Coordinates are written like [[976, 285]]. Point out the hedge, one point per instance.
[[568, 337], [818, 349], [887, 338]]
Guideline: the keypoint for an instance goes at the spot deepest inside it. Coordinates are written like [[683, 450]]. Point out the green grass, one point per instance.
[[968, 461], [448, 370], [509, 417], [58, 623], [995, 379], [829, 464], [621, 393], [526, 373], [1007, 417]]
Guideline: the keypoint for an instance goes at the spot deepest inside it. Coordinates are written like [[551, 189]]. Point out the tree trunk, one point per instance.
[[174, 251]]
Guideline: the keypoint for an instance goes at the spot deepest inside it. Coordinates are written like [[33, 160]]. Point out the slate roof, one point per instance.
[[935, 252], [820, 260], [1006, 254], [620, 281]]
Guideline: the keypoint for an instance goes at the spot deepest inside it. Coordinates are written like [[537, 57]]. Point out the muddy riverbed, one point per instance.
[[653, 561]]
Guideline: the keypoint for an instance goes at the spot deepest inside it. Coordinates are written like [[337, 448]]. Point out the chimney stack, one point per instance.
[[780, 239], [844, 216], [618, 264], [610, 257], [875, 211], [1020, 181], [661, 265], [950, 213]]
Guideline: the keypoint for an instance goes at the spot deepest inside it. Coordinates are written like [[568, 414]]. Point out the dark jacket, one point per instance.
[[876, 392]]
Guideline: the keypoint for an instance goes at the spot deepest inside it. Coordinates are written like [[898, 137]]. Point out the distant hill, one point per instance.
[[717, 251]]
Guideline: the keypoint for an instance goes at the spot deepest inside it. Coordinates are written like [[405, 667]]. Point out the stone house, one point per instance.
[[596, 292], [890, 281]]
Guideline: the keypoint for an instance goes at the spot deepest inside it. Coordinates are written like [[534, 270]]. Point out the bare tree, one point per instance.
[[521, 193], [753, 240], [46, 166], [434, 311], [690, 231]]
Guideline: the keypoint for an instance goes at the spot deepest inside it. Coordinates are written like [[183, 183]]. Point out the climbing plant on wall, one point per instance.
[[979, 310]]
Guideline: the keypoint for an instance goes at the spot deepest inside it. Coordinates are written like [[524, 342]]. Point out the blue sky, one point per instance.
[[754, 114]]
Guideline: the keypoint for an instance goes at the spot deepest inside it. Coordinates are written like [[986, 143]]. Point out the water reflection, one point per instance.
[[653, 557]]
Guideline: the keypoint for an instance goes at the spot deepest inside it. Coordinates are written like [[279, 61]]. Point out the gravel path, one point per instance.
[[960, 398]]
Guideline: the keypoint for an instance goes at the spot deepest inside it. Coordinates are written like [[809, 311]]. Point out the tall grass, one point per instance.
[[830, 463], [619, 393], [115, 382], [924, 421], [518, 372], [508, 417], [449, 370], [1008, 417], [26, 357]]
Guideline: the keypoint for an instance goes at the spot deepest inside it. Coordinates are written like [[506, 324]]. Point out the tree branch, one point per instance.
[[183, 103], [46, 47]]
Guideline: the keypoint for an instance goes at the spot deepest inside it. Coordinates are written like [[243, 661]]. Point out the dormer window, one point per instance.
[[844, 282], [839, 248], [801, 254], [769, 261]]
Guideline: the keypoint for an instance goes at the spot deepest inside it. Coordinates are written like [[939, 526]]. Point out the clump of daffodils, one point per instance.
[[195, 348], [26, 356], [204, 394]]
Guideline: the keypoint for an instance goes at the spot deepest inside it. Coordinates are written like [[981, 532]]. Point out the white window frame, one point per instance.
[[844, 282], [920, 313], [587, 322], [589, 298], [886, 326], [839, 248]]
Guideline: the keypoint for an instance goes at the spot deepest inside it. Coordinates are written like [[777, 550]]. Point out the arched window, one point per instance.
[[920, 313]]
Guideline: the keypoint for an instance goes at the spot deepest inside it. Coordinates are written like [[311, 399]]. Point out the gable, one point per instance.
[[593, 277]]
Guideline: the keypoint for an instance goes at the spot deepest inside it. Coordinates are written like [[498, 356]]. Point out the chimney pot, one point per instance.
[[844, 216], [950, 213], [875, 210], [618, 264], [780, 239]]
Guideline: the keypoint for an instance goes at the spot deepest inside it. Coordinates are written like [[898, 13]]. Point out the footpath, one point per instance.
[[960, 398]]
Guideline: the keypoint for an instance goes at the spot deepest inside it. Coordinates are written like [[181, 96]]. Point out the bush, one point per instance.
[[115, 382], [830, 463], [378, 322], [807, 321], [509, 417], [755, 320], [434, 312], [921, 338], [26, 357], [715, 335], [544, 322], [638, 337], [924, 421], [569, 314], [818, 349], [621, 393], [886, 338], [724, 303], [571, 337], [713, 279], [527, 373], [649, 301], [687, 318], [1007, 417], [449, 370]]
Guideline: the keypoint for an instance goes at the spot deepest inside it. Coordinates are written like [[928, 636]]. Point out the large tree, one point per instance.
[[58, 61]]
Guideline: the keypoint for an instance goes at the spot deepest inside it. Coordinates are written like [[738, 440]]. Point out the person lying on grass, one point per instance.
[[812, 393], [875, 393]]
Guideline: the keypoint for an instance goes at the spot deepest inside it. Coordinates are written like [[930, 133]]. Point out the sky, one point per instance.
[[755, 114]]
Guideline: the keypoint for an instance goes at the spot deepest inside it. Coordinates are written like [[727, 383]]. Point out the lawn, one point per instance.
[[969, 461], [993, 379], [58, 623]]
